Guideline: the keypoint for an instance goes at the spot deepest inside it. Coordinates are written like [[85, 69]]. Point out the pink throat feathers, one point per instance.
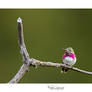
[[72, 55]]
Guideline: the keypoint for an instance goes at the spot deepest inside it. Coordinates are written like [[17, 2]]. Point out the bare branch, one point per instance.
[[51, 64], [22, 46], [33, 62], [20, 74], [23, 52]]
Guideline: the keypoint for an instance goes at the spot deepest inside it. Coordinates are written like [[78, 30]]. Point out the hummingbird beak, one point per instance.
[[64, 49]]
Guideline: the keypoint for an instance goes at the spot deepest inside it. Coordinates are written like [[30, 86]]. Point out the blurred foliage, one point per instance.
[[46, 32]]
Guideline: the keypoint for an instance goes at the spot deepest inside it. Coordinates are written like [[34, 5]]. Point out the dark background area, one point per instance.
[[46, 32]]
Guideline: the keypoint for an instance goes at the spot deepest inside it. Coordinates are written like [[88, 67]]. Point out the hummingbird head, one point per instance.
[[68, 50]]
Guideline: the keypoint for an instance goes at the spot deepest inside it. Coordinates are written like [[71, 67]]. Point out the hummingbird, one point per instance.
[[69, 58]]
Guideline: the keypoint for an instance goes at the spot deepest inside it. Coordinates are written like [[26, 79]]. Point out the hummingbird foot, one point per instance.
[[63, 72]]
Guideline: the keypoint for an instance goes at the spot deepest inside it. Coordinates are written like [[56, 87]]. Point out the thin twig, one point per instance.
[[33, 62]]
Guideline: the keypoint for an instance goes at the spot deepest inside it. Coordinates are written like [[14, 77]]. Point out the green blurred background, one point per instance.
[[46, 32]]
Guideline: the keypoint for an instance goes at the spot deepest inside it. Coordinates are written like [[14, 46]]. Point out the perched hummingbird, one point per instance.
[[68, 58]]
